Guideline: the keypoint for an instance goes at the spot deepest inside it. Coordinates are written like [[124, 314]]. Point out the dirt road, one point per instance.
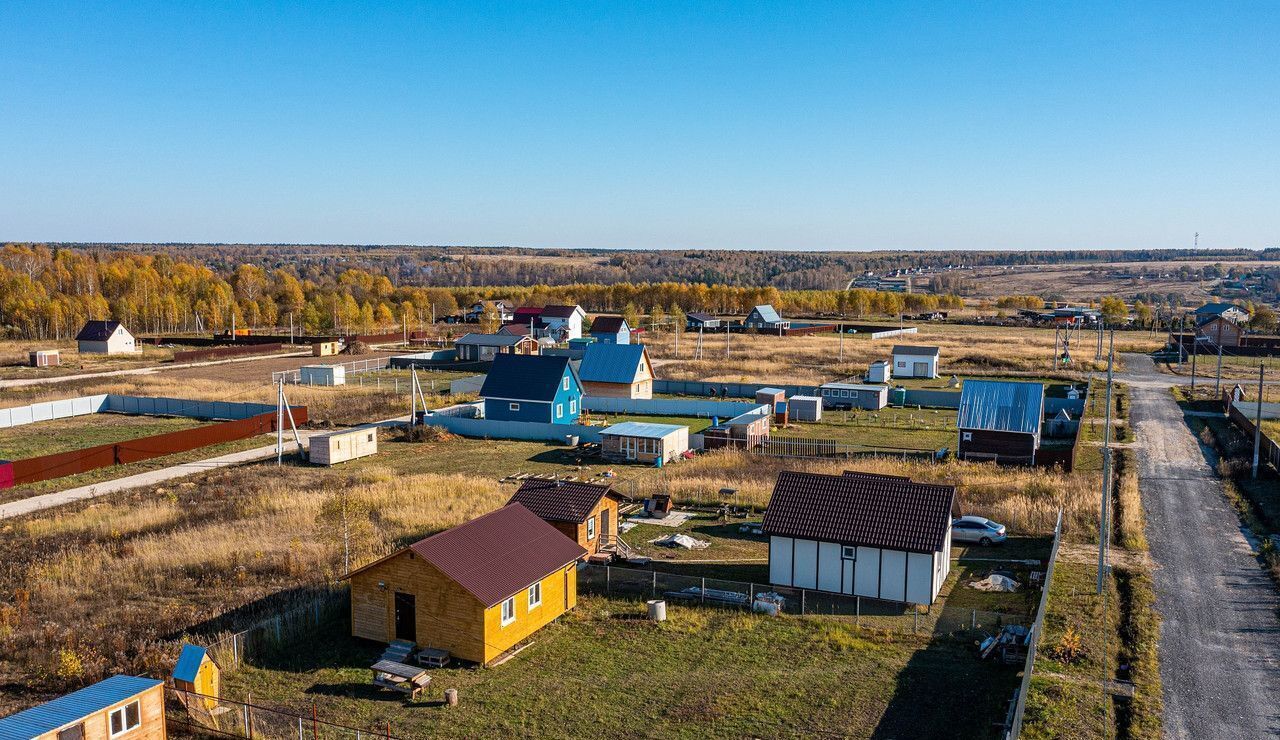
[[1220, 636]]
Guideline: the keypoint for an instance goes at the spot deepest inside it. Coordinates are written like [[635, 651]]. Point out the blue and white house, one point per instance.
[[765, 318], [537, 388], [611, 330]]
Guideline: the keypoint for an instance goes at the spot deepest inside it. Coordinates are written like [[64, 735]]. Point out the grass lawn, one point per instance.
[[603, 670], [64, 435], [888, 428]]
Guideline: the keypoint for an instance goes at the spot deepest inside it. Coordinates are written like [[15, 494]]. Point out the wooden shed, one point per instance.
[[322, 375], [636, 441], [586, 513], [117, 708], [44, 358], [343, 445], [325, 349], [476, 590], [196, 673], [860, 534]]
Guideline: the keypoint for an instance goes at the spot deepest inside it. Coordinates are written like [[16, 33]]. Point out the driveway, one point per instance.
[[1220, 635]]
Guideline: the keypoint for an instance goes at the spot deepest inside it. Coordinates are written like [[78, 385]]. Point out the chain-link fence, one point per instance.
[[890, 616], [197, 715]]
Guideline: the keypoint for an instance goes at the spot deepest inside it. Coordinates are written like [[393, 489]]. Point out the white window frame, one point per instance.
[[559, 410], [535, 595], [966, 436], [510, 604], [123, 712], [573, 407], [591, 528], [565, 383], [513, 406], [849, 552]]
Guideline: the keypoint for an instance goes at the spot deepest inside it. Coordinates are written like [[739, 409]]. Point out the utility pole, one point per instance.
[[291, 327], [1257, 425], [840, 328], [1217, 384], [726, 340], [280, 421], [1195, 346], [1182, 326], [1103, 522]]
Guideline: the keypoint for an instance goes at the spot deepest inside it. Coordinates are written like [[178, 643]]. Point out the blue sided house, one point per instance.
[[537, 388], [611, 330]]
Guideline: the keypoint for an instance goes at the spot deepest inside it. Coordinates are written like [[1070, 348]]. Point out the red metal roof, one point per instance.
[[861, 509], [499, 554], [561, 501]]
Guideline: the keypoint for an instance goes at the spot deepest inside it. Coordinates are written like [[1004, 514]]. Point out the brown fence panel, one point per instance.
[[217, 352], [62, 464], [796, 331]]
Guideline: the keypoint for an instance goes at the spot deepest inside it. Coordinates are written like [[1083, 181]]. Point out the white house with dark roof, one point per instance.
[[563, 322], [860, 534], [915, 361], [105, 338]]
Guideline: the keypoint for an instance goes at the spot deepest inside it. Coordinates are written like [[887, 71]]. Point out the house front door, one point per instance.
[[920, 369], [604, 524], [406, 617], [629, 445]]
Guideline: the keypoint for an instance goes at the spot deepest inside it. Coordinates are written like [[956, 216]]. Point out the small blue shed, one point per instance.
[[537, 388]]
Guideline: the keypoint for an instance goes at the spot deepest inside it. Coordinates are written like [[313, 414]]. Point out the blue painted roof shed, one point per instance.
[[75, 706], [1001, 406], [188, 663]]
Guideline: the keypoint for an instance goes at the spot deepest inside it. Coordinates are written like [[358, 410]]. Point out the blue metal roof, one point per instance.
[[611, 363], [642, 429], [489, 340], [1001, 406], [75, 706], [525, 377], [188, 663], [767, 313]]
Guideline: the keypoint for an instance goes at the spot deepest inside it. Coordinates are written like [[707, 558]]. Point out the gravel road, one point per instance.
[[1220, 636]]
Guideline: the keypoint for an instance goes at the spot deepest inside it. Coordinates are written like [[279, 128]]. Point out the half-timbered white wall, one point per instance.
[[878, 573]]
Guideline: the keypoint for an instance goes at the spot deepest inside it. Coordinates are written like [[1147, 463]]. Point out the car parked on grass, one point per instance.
[[977, 529]]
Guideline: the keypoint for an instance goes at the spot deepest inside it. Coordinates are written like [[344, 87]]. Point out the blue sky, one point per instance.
[[788, 126]]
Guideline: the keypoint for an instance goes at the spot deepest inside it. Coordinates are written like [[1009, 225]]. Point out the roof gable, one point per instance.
[[766, 312], [526, 377], [499, 554], [64, 710], [97, 331], [915, 349], [861, 509], [562, 312], [614, 363], [609, 325], [561, 501], [1001, 406], [188, 663]]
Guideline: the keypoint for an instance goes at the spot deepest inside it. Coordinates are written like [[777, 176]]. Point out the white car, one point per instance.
[[977, 529]]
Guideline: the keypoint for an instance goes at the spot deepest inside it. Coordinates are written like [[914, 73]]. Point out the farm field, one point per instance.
[[814, 359], [719, 673], [1086, 282], [64, 435]]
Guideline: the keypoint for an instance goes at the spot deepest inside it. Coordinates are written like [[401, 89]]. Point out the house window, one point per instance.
[[513, 407], [370, 438], [565, 383], [849, 552], [508, 611], [125, 718], [75, 732], [535, 595], [559, 410], [591, 528], [573, 407], [902, 364], [966, 436]]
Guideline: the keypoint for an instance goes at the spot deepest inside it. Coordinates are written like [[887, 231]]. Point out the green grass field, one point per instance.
[[888, 428], [603, 670], [63, 435]]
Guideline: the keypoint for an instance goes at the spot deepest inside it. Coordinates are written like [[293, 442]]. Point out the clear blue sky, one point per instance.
[[789, 126]]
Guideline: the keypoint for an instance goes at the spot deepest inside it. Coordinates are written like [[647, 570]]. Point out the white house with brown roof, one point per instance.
[[563, 323], [860, 534]]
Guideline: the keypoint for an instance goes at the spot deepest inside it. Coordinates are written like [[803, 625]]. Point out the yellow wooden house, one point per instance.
[[117, 708], [477, 590]]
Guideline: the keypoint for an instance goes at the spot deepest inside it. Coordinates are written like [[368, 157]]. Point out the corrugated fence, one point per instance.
[[667, 406], [526, 430], [84, 405]]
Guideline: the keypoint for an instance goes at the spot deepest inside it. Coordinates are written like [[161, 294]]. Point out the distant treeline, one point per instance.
[[50, 293], [510, 266]]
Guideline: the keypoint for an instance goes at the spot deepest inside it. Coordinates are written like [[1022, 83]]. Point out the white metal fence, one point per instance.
[[1037, 627]]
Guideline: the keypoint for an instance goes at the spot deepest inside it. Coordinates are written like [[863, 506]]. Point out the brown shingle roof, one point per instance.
[[608, 324], [500, 553], [560, 501], [558, 312], [861, 509]]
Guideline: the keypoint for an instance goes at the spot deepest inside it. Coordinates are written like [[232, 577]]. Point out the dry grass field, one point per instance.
[[1085, 282], [815, 359], [13, 359]]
